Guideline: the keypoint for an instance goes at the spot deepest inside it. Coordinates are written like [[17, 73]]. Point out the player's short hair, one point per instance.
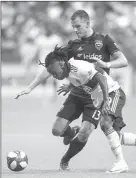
[[80, 13], [57, 55]]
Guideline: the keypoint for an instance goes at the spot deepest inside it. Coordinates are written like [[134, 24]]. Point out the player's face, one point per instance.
[[80, 27], [57, 70]]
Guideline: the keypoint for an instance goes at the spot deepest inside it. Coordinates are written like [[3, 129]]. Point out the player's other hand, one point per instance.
[[106, 107], [24, 92], [65, 88], [101, 63]]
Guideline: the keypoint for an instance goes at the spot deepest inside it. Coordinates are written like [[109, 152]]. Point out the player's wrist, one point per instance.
[[30, 89], [108, 65]]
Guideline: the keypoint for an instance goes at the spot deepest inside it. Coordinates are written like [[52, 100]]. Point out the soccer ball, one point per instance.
[[17, 160]]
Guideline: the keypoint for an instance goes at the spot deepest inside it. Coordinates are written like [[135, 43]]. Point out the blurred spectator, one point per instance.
[[47, 23], [45, 45], [28, 52]]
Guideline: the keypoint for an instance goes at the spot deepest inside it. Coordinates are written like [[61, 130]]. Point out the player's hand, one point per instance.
[[106, 107], [101, 64], [24, 92], [65, 88]]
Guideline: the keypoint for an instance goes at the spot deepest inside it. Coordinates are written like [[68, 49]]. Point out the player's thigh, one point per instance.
[[59, 126], [92, 115], [85, 130], [117, 102], [72, 108]]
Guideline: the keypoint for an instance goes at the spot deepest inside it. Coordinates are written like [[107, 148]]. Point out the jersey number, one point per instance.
[[96, 115]]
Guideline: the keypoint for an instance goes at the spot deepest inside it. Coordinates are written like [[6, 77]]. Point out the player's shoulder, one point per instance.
[[75, 41], [71, 43]]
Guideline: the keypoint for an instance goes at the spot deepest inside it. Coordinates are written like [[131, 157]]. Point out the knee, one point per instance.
[[102, 126], [83, 135], [85, 131], [106, 122], [56, 132], [59, 126], [105, 125]]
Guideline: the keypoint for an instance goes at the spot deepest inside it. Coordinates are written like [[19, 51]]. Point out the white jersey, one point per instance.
[[81, 72]]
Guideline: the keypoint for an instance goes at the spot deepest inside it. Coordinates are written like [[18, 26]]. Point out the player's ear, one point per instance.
[[88, 23], [61, 64]]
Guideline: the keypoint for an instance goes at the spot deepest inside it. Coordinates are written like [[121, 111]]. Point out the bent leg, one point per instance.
[[71, 110], [112, 136], [79, 141]]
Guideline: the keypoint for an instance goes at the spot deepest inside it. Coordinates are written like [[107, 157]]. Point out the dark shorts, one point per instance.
[[117, 101], [74, 106]]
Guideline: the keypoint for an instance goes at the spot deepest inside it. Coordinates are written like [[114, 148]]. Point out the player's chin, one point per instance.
[[60, 77]]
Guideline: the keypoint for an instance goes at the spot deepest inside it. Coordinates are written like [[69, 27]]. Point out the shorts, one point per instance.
[[117, 101], [74, 106]]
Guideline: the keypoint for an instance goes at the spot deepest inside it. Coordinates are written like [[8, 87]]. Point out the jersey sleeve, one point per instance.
[[111, 46], [92, 72], [88, 69]]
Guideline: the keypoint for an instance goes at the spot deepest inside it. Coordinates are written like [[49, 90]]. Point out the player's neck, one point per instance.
[[67, 69], [89, 33]]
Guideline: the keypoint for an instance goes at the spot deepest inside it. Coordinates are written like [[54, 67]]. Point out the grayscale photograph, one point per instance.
[[68, 93]]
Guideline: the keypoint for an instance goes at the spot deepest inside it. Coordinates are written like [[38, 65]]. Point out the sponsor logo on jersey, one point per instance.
[[80, 49], [79, 55], [98, 44], [92, 56]]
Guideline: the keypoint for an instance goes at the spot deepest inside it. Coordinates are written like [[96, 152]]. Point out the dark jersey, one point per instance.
[[99, 45]]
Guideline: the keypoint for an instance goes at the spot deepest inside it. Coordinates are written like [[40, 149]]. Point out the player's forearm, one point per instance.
[[42, 76], [103, 84], [119, 60]]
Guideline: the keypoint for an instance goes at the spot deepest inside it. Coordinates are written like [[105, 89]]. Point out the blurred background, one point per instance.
[[32, 29]]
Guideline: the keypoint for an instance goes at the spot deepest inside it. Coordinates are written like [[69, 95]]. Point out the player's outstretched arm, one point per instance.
[[101, 79], [42, 76]]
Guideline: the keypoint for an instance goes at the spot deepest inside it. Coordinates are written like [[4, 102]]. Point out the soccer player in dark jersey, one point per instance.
[[92, 47]]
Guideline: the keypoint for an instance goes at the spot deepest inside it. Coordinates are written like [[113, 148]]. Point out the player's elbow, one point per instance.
[[125, 62]]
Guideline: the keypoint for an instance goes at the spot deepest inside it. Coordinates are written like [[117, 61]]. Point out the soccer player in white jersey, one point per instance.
[[90, 113], [101, 89]]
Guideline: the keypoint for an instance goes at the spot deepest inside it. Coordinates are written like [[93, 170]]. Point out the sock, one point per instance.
[[128, 139], [75, 147], [68, 132], [114, 143]]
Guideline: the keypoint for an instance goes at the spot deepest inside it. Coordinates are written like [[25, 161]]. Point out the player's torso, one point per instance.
[[80, 72], [89, 48], [86, 50], [81, 76]]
